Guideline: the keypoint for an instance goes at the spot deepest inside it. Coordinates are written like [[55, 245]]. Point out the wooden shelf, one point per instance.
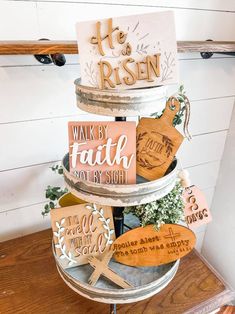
[[30, 47], [30, 283]]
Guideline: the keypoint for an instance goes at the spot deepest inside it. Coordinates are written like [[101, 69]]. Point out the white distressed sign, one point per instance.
[[128, 52]]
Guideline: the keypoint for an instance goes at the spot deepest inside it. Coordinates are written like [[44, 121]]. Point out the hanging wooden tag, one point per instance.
[[157, 142], [81, 231], [145, 246], [196, 210]]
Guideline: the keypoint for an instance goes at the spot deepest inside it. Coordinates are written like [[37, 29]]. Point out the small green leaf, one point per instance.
[[52, 205]]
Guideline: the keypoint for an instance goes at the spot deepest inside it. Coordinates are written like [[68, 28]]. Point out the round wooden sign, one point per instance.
[[146, 246]]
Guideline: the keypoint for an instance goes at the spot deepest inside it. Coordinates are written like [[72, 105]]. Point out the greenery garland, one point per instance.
[[168, 209]]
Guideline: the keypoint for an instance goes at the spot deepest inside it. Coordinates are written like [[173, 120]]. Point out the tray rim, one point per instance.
[[117, 293], [121, 186]]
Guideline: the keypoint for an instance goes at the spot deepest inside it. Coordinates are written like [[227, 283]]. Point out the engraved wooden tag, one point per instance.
[[81, 231], [145, 246], [196, 210], [157, 142]]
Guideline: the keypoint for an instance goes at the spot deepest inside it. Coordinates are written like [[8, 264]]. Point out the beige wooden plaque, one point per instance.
[[81, 231]]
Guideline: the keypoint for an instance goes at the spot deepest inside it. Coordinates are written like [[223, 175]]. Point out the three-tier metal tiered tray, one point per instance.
[[146, 281]]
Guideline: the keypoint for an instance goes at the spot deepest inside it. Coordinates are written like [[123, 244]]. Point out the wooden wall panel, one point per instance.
[[35, 20], [19, 20], [210, 78], [225, 5], [41, 141], [202, 149], [38, 92], [210, 115], [205, 175], [37, 101], [22, 221], [26, 186], [196, 24], [219, 246]]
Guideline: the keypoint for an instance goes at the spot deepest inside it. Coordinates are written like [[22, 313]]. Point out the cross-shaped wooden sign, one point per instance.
[[101, 268]]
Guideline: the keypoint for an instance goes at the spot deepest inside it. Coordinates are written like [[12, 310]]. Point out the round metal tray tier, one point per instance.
[[120, 195], [146, 281], [119, 103]]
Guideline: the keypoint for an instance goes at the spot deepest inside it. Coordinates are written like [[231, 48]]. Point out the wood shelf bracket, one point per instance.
[[56, 58], [209, 54]]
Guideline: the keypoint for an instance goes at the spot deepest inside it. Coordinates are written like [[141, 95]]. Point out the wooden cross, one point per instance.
[[101, 268]]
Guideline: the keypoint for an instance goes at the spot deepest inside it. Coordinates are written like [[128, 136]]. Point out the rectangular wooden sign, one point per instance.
[[81, 231], [103, 152], [128, 52]]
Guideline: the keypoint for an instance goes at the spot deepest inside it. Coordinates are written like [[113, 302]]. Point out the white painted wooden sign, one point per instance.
[[128, 52]]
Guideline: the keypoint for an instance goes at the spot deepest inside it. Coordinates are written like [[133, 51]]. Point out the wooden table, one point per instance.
[[29, 283]]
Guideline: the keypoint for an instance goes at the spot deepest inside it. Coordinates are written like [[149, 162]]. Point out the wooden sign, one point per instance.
[[103, 152], [81, 231], [157, 142], [145, 246], [196, 210], [128, 52]]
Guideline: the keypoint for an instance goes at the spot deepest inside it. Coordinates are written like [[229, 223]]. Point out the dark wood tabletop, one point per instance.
[[29, 283]]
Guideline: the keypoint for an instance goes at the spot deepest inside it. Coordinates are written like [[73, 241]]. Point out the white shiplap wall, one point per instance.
[[37, 100]]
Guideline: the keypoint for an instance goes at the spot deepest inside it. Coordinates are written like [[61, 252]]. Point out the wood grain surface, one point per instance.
[[157, 143], [30, 284], [27, 47], [146, 246]]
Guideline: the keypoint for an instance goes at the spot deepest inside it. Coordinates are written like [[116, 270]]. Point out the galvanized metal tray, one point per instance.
[[146, 281], [120, 195], [120, 103]]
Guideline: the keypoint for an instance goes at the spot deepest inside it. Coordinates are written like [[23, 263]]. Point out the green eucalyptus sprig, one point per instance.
[[57, 169], [168, 209], [53, 193]]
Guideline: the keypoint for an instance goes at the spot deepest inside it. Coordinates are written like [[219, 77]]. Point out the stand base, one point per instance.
[[113, 308]]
